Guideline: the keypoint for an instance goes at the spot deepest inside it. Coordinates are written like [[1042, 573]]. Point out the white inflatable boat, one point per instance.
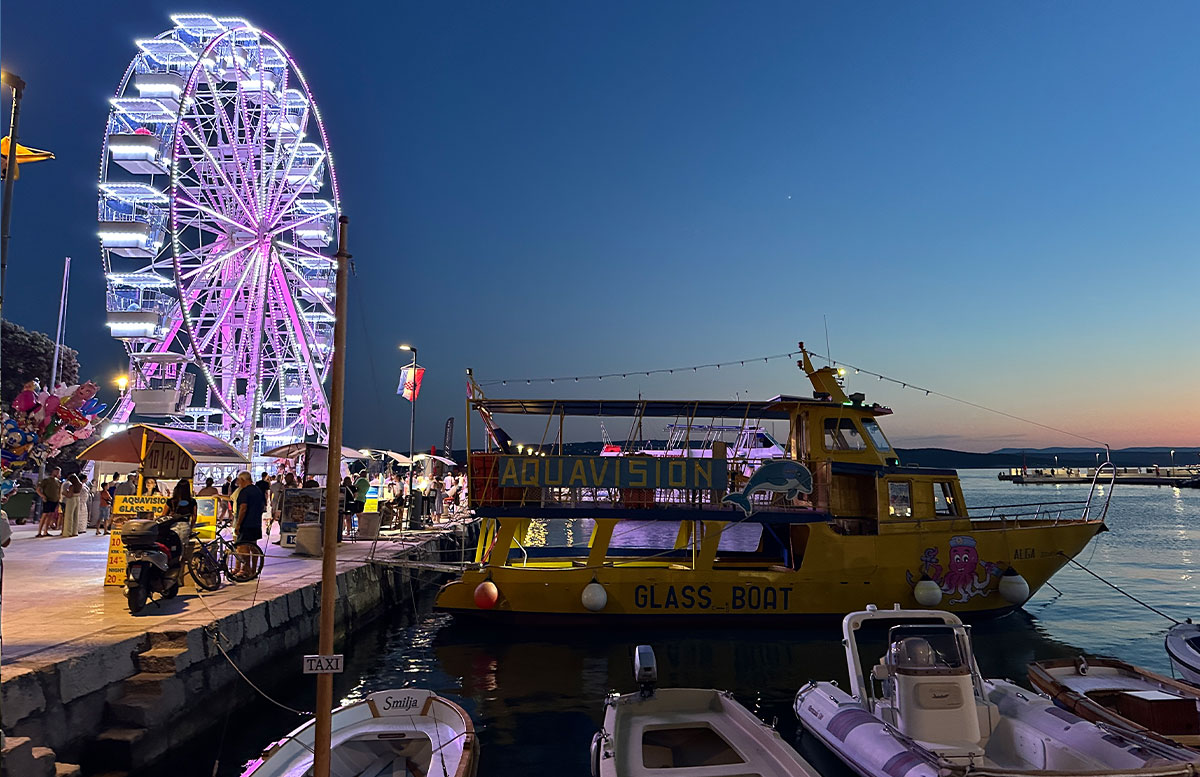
[[925, 711], [1183, 648], [686, 732], [405, 733]]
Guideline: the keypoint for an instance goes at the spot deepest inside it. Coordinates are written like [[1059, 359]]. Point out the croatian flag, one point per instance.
[[410, 382]]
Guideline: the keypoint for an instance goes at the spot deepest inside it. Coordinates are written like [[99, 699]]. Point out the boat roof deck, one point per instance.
[[779, 408]]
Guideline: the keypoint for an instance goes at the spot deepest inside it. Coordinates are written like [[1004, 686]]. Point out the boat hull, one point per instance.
[[838, 574], [1184, 655], [1064, 743]]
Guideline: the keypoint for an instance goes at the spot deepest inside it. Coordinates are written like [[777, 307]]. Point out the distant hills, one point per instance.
[[1045, 457]]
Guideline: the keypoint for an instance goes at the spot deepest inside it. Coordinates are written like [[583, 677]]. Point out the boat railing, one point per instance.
[[1087, 510]]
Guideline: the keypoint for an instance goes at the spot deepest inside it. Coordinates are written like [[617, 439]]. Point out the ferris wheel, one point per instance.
[[218, 206]]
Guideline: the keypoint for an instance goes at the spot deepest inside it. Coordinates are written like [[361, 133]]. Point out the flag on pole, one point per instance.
[[410, 382], [25, 155]]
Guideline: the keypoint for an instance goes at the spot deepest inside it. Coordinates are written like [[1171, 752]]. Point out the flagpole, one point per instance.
[[412, 424], [333, 469]]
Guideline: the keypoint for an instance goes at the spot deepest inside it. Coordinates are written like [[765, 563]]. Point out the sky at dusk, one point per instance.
[[995, 201]]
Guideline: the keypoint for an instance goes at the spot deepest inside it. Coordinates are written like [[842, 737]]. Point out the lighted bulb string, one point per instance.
[[791, 355]]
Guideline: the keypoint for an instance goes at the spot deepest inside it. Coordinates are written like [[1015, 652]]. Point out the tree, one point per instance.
[[25, 355]]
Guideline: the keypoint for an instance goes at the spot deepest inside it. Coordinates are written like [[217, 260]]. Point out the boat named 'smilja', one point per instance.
[[837, 523]]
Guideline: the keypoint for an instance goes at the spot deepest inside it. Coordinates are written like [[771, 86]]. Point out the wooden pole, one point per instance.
[[332, 492]]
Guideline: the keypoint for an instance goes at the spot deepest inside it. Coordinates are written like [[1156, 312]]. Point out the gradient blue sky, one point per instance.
[[997, 201]]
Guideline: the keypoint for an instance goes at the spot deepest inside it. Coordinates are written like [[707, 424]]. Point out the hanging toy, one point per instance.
[[27, 399]]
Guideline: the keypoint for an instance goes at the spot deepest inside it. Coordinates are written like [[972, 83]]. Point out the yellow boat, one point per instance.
[[838, 524]]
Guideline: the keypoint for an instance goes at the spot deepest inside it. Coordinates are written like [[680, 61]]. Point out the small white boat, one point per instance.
[[1105, 690], [686, 732], [1183, 648], [926, 711], [403, 733]]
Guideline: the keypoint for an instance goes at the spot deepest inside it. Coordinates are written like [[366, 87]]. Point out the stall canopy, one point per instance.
[[314, 455], [133, 444]]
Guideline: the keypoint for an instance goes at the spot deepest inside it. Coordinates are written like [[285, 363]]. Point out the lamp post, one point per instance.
[[412, 424], [1172, 460]]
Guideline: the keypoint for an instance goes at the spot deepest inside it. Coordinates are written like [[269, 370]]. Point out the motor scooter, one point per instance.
[[155, 553]]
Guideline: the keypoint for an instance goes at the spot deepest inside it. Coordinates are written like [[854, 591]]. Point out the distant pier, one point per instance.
[[1175, 477]]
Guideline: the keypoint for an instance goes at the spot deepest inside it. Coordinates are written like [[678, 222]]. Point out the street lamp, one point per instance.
[[1172, 459], [412, 423], [122, 382]]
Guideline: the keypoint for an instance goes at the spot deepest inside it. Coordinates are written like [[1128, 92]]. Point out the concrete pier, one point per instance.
[[86, 687]]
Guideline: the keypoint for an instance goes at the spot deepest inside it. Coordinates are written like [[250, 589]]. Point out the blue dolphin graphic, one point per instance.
[[780, 476]]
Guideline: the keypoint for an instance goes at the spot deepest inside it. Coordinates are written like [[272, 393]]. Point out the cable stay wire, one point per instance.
[[792, 354]]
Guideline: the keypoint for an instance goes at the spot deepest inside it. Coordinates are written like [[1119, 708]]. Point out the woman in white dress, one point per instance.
[[85, 505]]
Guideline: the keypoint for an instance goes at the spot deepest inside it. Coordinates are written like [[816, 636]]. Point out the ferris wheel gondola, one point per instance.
[[217, 205]]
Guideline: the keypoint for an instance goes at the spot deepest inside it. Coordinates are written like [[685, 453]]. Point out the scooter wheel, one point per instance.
[[137, 599], [169, 593]]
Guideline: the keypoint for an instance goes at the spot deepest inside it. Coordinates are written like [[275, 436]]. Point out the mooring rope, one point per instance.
[[1149, 607]]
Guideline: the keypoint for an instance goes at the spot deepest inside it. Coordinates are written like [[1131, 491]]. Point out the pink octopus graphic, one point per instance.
[[963, 577]]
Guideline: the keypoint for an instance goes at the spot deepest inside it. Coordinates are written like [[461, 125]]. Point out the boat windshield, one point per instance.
[[918, 649], [876, 434]]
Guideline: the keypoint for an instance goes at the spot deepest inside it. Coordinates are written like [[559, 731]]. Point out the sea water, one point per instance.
[[535, 694]]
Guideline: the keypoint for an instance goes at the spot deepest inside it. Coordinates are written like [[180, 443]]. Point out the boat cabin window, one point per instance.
[[928, 649], [841, 434], [943, 499], [900, 499], [876, 434]]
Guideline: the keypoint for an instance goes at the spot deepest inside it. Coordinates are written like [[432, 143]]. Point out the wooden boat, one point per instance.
[[402, 733], [1105, 690], [1183, 648], [837, 523], [926, 711], [686, 732]]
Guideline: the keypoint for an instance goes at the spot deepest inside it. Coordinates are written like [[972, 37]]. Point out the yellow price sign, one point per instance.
[[114, 571]]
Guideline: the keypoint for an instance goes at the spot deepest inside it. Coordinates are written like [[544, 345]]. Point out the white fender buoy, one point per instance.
[[927, 592], [595, 754], [1013, 587], [594, 597]]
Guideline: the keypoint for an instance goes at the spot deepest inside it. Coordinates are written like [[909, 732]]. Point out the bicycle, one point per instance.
[[209, 560]]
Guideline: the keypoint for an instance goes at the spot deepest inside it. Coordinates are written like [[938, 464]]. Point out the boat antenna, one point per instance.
[[828, 350]]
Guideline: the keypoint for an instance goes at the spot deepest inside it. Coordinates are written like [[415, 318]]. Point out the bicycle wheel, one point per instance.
[[251, 561], [205, 569]]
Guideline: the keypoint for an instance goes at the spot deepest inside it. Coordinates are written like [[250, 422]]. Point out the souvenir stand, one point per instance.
[[303, 506]]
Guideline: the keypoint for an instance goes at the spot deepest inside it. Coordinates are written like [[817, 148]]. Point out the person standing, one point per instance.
[[264, 485], [348, 494], [249, 506], [209, 489], [362, 487], [50, 490], [84, 510], [71, 493]]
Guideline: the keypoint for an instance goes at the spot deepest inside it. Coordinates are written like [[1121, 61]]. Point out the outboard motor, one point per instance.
[[645, 670]]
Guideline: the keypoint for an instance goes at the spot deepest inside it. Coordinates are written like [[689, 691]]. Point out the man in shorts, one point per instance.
[[50, 490], [247, 522]]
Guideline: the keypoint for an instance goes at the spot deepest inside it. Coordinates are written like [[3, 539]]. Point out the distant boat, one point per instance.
[[1105, 690], [402, 732], [925, 710], [686, 731]]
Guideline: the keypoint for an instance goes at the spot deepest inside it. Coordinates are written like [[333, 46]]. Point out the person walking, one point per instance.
[[247, 522], [71, 493], [104, 522], [50, 490], [84, 510]]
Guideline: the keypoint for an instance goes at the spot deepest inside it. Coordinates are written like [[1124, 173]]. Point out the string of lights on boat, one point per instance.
[[841, 367]]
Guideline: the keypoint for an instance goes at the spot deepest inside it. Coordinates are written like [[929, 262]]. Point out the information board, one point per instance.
[[123, 504], [114, 570]]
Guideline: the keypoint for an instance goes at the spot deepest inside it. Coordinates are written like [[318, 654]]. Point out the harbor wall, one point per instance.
[[124, 706]]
